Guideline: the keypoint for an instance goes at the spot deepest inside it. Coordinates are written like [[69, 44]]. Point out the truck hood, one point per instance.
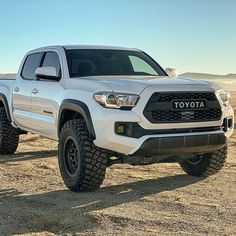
[[136, 84]]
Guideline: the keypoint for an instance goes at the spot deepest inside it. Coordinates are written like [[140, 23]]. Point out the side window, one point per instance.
[[32, 62], [141, 67], [52, 59]]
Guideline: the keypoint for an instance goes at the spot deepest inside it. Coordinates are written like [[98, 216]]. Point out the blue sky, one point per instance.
[[190, 35]]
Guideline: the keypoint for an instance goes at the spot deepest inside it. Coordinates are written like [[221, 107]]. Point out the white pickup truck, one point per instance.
[[108, 105]]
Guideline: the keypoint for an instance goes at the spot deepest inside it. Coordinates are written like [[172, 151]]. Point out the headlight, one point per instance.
[[225, 96], [116, 100]]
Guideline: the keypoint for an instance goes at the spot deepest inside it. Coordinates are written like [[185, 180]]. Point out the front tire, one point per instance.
[[82, 164], [9, 136], [206, 164]]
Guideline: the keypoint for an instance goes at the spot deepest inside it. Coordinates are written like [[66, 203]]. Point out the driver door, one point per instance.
[[45, 96]]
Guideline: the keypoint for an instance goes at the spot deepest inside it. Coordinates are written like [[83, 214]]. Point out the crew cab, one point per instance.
[[107, 105]]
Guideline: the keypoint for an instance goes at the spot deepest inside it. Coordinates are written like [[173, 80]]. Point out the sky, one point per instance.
[[189, 35]]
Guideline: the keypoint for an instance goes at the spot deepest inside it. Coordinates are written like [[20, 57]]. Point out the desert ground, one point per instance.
[[158, 199]]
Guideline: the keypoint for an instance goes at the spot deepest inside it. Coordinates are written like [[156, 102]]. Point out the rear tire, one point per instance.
[[82, 164], [9, 136], [206, 164]]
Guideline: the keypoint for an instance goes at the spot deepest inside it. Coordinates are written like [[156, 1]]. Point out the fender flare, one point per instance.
[[79, 107], [3, 99]]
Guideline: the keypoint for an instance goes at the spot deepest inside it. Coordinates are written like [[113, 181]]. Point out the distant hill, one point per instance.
[[228, 82], [7, 76], [207, 76]]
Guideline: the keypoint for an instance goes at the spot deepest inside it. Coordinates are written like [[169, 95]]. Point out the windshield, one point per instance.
[[98, 62]]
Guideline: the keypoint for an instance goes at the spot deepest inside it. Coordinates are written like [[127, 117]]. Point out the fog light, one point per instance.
[[124, 128], [120, 129]]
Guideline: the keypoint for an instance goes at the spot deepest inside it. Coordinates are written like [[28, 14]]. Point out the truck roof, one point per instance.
[[84, 47]]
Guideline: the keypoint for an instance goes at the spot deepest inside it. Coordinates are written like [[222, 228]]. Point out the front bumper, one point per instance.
[[182, 144], [199, 141]]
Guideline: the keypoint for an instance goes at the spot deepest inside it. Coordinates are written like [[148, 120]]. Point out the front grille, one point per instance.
[[159, 108], [168, 97]]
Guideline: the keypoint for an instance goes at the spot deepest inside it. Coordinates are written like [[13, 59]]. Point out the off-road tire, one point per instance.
[[210, 163], [92, 161], [9, 136]]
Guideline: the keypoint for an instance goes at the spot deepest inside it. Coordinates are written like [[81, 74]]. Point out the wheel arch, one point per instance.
[[72, 109], [4, 103]]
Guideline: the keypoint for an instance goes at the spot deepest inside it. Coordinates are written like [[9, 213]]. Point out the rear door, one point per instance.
[[22, 91], [45, 97]]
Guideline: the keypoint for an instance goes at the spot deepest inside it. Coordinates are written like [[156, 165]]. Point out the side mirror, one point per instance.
[[48, 73], [171, 72]]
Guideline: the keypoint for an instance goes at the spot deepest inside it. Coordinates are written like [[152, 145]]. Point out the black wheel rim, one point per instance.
[[195, 160], [71, 155]]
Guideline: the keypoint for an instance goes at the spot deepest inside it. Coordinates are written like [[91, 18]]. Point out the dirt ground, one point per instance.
[[143, 200]]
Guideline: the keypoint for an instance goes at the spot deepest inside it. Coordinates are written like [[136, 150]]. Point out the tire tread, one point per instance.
[[93, 159], [210, 164], [9, 136]]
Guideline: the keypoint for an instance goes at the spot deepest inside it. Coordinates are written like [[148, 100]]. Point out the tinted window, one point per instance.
[[94, 62], [32, 62], [52, 59]]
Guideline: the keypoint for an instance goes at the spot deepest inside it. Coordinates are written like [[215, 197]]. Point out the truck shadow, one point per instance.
[[25, 156], [62, 211]]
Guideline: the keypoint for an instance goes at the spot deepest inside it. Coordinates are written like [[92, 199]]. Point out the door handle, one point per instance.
[[16, 89], [35, 91]]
